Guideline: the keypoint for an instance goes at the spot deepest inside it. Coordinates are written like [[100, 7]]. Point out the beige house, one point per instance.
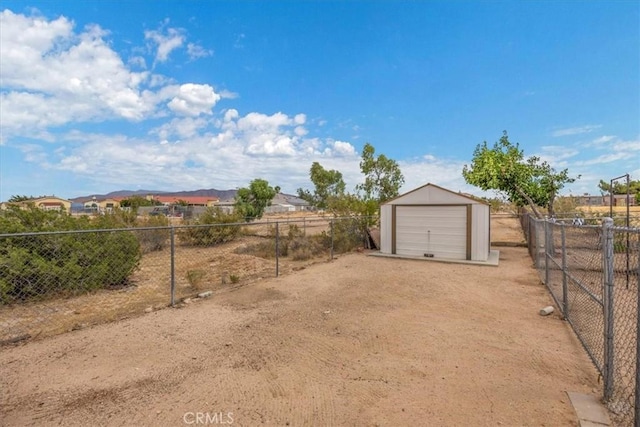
[[48, 203], [102, 205]]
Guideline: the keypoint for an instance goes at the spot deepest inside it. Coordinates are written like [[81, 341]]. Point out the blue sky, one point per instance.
[[180, 95]]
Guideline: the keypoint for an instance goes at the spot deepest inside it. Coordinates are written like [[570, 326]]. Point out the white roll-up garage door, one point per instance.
[[437, 230]]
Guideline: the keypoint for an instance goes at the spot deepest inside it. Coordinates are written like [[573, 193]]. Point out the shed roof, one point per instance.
[[431, 191]]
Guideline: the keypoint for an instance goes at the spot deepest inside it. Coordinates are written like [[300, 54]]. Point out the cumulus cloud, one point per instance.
[[342, 148], [180, 128], [193, 100], [574, 130], [244, 147], [51, 75]]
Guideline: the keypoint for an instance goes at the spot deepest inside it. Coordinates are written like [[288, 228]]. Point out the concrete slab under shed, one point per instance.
[[494, 257]]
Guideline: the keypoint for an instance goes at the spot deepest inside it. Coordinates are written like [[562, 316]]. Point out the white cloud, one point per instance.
[[446, 173], [52, 76], [196, 51], [630, 147], [137, 61], [300, 131], [603, 139], [193, 100], [604, 158], [165, 41], [263, 122], [342, 148], [574, 130], [556, 154], [182, 128], [244, 147], [300, 119]]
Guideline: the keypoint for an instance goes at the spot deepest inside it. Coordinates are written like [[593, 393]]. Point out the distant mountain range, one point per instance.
[[212, 192]]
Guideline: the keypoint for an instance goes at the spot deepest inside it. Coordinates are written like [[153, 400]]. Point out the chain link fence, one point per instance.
[[593, 274], [53, 282]]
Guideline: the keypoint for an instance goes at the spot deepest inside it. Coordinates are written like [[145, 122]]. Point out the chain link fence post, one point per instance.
[[637, 399], [565, 299], [173, 266], [607, 258], [331, 230], [547, 244], [277, 249]]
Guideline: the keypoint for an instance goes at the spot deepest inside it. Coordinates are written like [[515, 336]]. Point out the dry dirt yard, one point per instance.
[[358, 341]]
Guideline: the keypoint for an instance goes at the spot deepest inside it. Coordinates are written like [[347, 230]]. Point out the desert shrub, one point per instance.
[[39, 266], [304, 248], [265, 249], [294, 244], [348, 234], [211, 228], [156, 239], [195, 277]]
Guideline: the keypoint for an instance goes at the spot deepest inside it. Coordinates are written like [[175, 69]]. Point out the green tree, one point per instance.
[[383, 177], [620, 187], [328, 185], [524, 181], [134, 202], [251, 202], [18, 198], [223, 228]]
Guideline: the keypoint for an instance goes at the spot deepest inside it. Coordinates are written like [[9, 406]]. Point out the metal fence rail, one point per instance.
[[52, 282], [593, 275]]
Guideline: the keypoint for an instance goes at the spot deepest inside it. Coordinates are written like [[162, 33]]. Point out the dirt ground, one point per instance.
[[358, 341]]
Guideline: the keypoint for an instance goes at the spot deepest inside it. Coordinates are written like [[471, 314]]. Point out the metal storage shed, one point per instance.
[[434, 222]]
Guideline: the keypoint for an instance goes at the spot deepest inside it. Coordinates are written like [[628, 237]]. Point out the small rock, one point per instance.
[[327, 312], [187, 301], [148, 309], [205, 294]]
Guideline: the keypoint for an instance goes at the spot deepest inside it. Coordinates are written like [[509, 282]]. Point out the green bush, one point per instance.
[[39, 266], [222, 227], [348, 234]]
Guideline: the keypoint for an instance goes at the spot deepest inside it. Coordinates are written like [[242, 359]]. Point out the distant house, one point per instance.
[[621, 200], [281, 203], [226, 205], [604, 200], [590, 200], [102, 205], [188, 200], [287, 203], [47, 203]]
